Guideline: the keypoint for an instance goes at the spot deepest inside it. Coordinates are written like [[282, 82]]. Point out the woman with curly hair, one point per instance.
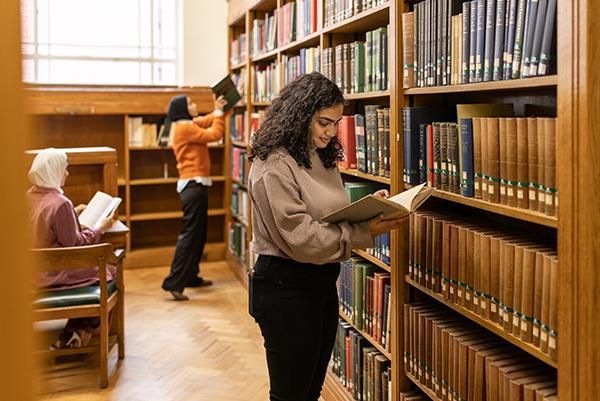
[[294, 181]]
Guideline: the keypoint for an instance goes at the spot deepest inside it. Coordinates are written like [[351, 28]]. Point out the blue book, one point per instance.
[[467, 174]]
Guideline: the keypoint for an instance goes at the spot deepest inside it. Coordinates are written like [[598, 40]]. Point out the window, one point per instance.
[[110, 42]]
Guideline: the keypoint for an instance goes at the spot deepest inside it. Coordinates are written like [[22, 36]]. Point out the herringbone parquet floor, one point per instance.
[[206, 349]]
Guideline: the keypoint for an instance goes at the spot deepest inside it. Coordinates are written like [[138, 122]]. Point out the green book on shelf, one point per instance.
[[358, 190], [226, 88]]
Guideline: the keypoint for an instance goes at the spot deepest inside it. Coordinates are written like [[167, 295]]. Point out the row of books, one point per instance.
[[359, 66], [239, 79], [237, 126], [297, 20], [238, 235], [266, 82], [144, 135], [263, 34], [361, 369], [506, 277], [414, 395], [238, 49], [338, 10], [511, 161], [239, 203], [458, 361], [239, 165], [447, 42], [366, 141], [364, 292], [307, 61], [381, 248]]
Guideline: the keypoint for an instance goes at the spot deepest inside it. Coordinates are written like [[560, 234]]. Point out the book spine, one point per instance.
[[484, 160], [510, 45], [490, 29], [541, 177], [480, 52], [422, 153], [437, 159], [519, 35], [499, 40], [511, 162], [493, 160], [550, 166], [530, 18], [467, 176], [502, 136], [532, 160], [545, 55], [522, 165], [408, 49], [537, 38], [473, 42], [477, 171], [466, 38]]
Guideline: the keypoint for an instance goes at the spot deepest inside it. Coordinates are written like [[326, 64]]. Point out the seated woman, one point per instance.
[[55, 224]]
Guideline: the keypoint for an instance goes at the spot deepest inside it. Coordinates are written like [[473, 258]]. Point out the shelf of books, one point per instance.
[[461, 95]]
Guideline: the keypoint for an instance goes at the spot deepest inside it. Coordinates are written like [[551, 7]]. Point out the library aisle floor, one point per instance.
[[208, 348]]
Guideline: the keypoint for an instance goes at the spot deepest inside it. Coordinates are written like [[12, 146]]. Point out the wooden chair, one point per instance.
[[91, 301]]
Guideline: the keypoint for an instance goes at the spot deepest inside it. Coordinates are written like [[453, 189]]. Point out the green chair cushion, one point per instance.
[[73, 296]]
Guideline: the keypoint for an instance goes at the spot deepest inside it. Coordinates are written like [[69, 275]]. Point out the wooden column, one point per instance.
[[578, 152], [15, 287]]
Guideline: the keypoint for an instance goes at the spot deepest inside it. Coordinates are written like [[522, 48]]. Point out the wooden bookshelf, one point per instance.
[[267, 56], [238, 66], [370, 339], [60, 120], [504, 210], [422, 387], [493, 327], [509, 85], [571, 92], [356, 173], [373, 259]]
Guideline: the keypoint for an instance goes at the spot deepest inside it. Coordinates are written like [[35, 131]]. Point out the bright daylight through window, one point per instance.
[[87, 42]]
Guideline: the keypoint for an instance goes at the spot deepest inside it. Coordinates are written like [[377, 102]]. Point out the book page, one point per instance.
[[413, 198], [99, 207]]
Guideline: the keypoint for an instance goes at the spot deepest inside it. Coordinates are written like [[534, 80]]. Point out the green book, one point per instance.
[[226, 88], [358, 190], [359, 73]]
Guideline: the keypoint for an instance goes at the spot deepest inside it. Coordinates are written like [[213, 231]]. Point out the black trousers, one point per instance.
[[296, 307], [190, 243]]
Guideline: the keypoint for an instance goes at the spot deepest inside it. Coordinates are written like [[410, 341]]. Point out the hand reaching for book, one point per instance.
[[378, 225], [220, 103]]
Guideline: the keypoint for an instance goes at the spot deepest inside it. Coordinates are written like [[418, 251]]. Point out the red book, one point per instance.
[[313, 12], [347, 137]]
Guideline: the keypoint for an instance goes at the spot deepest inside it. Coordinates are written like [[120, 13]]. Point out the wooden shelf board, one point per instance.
[[487, 324], [509, 211], [169, 180], [370, 339], [170, 215], [309, 40], [359, 174], [373, 259], [370, 19], [422, 387], [264, 5], [261, 104], [267, 56], [511, 84], [239, 220], [233, 180], [141, 148], [239, 144], [121, 182], [238, 66], [367, 95], [333, 390]]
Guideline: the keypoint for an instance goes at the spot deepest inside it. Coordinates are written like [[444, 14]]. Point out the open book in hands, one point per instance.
[[371, 206], [99, 208]]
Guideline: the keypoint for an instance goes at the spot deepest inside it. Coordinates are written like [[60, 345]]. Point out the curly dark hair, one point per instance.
[[287, 121]]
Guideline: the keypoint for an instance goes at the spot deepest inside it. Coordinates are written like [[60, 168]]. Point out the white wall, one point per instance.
[[204, 41]]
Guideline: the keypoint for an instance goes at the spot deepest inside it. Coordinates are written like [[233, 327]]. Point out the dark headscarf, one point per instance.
[[178, 109]]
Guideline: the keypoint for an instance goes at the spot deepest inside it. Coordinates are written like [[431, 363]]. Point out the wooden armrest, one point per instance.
[[117, 257]]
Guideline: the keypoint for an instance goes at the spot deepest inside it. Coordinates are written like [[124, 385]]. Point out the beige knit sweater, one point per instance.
[[288, 202]]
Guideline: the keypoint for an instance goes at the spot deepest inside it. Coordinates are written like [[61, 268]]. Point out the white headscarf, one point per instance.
[[48, 168]]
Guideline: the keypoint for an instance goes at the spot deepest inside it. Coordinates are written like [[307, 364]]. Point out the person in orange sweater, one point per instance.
[[191, 135]]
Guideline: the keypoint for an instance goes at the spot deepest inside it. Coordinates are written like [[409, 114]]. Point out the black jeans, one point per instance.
[[190, 243], [296, 307]]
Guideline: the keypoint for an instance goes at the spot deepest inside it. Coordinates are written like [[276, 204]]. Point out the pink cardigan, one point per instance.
[[55, 225]]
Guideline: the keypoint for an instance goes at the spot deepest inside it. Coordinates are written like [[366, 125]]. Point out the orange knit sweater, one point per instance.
[[190, 144]]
